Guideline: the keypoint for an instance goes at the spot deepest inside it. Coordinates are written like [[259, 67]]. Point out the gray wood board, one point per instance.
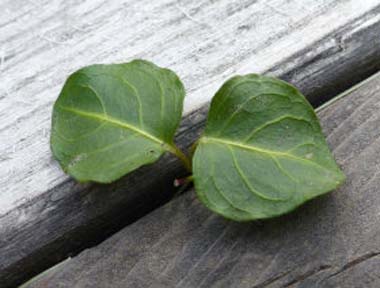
[[332, 241], [323, 47]]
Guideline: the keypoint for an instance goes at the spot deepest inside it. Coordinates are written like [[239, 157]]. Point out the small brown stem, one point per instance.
[[182, 181]]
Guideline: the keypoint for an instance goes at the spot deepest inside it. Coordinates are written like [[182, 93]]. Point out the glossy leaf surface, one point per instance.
[[112, 119], [263, 152]]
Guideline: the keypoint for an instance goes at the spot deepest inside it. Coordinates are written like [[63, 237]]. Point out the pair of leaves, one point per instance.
[[262, 152]]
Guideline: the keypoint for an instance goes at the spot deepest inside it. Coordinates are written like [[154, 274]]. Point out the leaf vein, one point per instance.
[[138, 97], [246, 181], [110, 146], [278, 164], [97, 96], [206, 139], [221, 193], [273, 121], [114, 121], [60, 134], [228, 121]]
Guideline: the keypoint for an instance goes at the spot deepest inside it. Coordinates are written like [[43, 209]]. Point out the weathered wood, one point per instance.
[[321, 46], [332, 241]]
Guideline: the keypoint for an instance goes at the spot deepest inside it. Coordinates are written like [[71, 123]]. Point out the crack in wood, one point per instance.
[[271, 280], [306, 275], [355, 262]]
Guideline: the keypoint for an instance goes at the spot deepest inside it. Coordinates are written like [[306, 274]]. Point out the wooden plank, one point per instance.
[[332, 241], [321, 46]]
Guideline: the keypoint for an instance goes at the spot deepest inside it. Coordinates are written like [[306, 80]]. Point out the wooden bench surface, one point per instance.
[[332, 241], [323, 47]]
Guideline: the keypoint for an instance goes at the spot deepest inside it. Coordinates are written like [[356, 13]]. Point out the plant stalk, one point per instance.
[[184, 159]]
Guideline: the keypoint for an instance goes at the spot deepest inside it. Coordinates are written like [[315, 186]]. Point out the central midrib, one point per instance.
[[117, 122], [206, 139]]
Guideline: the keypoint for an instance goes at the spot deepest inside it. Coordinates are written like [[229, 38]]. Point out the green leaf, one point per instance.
[[112, 119], [263, 152]]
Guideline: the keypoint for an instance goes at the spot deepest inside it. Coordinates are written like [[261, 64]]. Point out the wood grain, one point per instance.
[[332, 241], [323, 47]]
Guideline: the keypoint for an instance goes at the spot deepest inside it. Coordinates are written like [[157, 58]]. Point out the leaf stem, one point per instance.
[[193, 147], [185, 160]]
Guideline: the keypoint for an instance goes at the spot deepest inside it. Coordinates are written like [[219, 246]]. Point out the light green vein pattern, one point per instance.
[[263, 152]]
